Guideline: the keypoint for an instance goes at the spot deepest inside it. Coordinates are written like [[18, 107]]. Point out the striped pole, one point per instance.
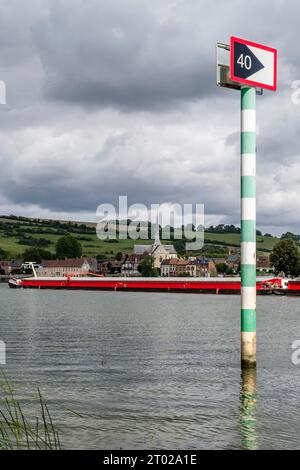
[[248, 227]]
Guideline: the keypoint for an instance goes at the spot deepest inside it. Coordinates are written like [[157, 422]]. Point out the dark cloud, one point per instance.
[[119, 97], [60, 184], [136, 54], [122, 54]]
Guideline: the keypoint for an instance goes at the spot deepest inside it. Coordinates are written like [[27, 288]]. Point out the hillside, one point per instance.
[[19, 233]]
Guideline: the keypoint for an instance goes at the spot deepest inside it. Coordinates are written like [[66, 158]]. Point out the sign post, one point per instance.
[[251, 67], [248, 226]]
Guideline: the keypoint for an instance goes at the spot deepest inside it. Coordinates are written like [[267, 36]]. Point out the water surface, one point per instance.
[[153, 370]]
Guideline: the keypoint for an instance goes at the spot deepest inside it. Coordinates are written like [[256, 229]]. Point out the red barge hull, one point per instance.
[[195, 285], [293, 287]]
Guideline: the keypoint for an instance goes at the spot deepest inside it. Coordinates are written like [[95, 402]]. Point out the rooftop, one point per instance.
[[64, 263]]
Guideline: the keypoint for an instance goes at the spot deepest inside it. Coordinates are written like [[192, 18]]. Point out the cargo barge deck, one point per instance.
[[157, 284]]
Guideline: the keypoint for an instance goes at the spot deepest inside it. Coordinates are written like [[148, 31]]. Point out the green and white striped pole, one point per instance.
[[248, 226]]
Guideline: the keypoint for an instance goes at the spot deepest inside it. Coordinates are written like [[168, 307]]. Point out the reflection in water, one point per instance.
[[248, 399]]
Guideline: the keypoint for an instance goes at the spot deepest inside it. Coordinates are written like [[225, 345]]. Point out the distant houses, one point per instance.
[[202, 267], [131, 264], [168, 268], [164, 258], [63, 267], [108, 267], [9, 266], [263, 265], [233, 261], [199, 266], [192, 267]]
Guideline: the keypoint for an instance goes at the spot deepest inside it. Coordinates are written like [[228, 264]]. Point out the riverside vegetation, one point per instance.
[[20, 432]]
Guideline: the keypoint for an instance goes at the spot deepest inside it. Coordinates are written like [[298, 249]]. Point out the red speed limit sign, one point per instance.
[[253, 64]]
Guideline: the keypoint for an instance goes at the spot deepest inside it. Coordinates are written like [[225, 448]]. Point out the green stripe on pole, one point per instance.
[[248, 226], [248, 275], [248, 186], [248, 98], [248, 231], [248, 142], [248, 321]]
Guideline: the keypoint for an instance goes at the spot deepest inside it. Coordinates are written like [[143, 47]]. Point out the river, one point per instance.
[[124, 370]]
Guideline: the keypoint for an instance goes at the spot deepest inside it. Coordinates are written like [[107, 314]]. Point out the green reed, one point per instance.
[[17, 431]]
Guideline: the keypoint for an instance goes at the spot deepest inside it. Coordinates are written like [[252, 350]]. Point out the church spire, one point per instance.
[[157, 239]]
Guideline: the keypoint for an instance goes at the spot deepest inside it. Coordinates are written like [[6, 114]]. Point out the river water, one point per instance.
[[135, 370]]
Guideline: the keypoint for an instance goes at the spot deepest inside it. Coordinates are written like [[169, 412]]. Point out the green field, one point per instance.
[[14, 230], [263, 243]]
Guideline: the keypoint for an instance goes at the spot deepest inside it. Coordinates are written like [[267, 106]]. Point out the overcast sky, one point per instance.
[[119, 97]]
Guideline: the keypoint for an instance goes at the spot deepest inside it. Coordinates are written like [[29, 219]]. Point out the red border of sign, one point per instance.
[[233, 40]]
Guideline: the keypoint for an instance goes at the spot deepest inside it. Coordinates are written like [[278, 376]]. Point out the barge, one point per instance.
[[216, 285]]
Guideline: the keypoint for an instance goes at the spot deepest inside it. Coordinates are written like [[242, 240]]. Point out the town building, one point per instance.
[[191, 268], [157, 250], [9, 266], [63, 267], [104, 266], [201, 267], [263, 264], [116, 266], [108, 267], [173, 267], [181, 267], [93, 262], [130, 266], [168, 267], [233, 261]]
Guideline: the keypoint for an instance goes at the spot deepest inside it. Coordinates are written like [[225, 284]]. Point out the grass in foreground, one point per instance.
[[17, 431]]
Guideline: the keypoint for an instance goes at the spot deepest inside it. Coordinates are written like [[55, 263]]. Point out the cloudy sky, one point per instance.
[[119, 97]]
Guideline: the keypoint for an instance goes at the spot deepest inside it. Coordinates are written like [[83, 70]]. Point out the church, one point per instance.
[[158, 251]]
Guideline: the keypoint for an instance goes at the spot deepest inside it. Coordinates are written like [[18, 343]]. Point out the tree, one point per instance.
[[290, 236], [146, 267], [119, 256], [223, 268], [3, 254], [179, 246], [68, 247], [285, 257], [36, 254]]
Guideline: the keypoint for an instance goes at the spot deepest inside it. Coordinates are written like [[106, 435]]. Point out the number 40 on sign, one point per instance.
[[253, 64]]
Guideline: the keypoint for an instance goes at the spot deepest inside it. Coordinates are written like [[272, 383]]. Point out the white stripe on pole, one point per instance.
[[247, 340], [248, 298], [248, 208], [248, 164], [248, 120], [248, 253]]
